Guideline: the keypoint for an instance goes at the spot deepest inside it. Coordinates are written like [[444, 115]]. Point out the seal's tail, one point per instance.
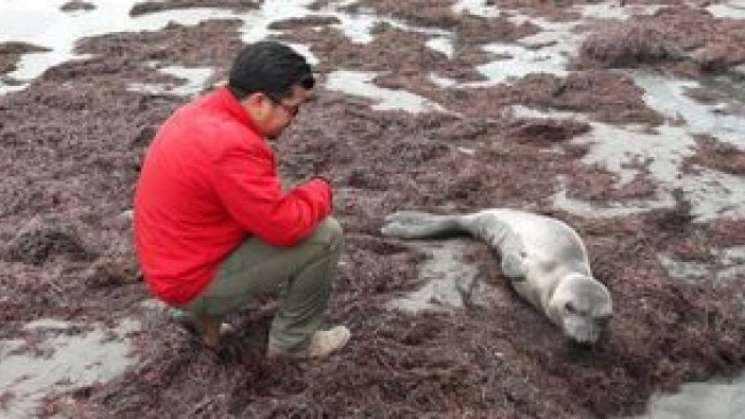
[[421, 225]]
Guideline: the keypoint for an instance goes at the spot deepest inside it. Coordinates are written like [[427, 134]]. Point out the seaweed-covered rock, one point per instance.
[[11, 52], [44, 238], [146, 7], [627, 46], [118, 261], [77, 5]]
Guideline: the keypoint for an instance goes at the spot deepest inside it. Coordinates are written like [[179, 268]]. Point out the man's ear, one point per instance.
[[255, 104], [254, 99]]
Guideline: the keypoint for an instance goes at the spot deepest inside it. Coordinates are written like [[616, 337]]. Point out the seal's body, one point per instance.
[[543, 257]]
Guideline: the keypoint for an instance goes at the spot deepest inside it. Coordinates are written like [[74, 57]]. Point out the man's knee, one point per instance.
[[330, 232]]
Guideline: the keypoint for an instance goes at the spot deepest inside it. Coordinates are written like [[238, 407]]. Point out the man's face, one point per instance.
[[281, 112]]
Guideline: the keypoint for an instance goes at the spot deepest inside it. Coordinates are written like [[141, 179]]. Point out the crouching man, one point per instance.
[[213, 226]]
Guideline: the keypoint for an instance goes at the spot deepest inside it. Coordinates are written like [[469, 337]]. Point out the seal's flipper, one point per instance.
[[513, 266], [408, 216], [420, 225]]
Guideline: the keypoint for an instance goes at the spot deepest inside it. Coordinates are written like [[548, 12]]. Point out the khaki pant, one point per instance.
[[300, 275]]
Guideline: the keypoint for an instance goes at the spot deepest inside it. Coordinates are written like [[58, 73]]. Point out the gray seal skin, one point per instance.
[[544, 258]]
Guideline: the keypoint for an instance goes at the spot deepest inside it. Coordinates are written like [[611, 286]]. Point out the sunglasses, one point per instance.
[[292, 111]]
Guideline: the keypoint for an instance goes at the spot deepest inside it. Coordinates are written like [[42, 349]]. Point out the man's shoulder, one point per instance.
[[203, 118], [212, 130], [225, 135], [203, 110]]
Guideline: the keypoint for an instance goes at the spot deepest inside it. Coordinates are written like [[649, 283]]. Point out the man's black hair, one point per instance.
[[269, 67]]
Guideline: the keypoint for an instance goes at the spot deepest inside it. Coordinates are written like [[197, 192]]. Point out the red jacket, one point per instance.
[[208, 181]]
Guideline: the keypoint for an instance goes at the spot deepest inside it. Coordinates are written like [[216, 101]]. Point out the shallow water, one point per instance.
[[69, 359], [441, 273], [193, 81], [545, 52], [448, 282], [728, 9], [60, 30], [668, 97], [718, 399], [442, 44], [712, 194], [731, 261], [359, 83]]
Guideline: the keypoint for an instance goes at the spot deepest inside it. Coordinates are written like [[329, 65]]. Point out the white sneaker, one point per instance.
[[322, 344], [325, 342]]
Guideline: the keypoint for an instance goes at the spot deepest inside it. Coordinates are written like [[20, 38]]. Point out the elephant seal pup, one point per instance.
[[543, 257]]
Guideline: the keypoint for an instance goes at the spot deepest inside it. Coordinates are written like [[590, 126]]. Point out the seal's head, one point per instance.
[[582, 307]]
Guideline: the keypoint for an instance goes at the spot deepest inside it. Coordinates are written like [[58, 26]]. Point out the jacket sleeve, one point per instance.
[[246, 182]]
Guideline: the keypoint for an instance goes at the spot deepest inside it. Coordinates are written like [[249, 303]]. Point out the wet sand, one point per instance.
[[454, 107]]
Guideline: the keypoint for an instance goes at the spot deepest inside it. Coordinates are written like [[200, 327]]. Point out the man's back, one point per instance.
[[182, 230]]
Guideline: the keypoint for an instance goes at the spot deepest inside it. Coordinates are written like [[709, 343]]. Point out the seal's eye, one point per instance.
[[569, 307], [603, 321]]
